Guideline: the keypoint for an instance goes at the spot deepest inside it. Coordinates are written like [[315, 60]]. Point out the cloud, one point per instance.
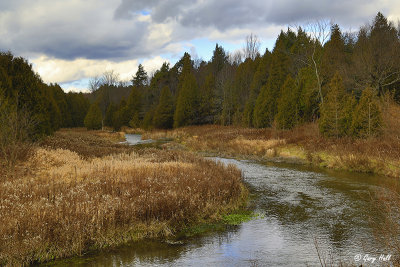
[[73, 29], [228, 14], [71, 40], [62, 71]]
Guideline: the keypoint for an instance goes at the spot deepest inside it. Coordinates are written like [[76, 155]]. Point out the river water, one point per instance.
[[297, 207]]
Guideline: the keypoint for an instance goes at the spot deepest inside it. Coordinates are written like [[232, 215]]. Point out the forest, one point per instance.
[[322, 97], [313, 74]]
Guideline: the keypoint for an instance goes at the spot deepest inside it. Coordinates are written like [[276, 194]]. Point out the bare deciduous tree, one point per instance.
[[110, 78], [235, 58], [320, 33], [376, 65], [252, 47], [94, 83]]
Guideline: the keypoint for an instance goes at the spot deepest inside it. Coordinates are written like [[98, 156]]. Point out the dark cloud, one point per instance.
[[78, 32], [228, 14], [105, 30]]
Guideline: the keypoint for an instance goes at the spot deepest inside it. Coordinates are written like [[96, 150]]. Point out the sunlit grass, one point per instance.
[[380, 155], [72, 201]]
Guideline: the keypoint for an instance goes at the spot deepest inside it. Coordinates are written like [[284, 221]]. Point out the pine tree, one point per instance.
[[259, 80], [135, 121], [164, 113], [367, 118], [218, 60], [78, 106], [266, 104], [241, 85], [187, 105], [134, 103], [140, 78], [208, 101], [288, 105], [376, 56], [93, 119], [334, 56], [336, 109], [147, 122], [309, 96], [108, 121], [122, 116]]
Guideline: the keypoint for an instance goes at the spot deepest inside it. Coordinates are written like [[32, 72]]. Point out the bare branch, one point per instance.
[[110, 78], [235, 58], [94, 83], [252, 47]]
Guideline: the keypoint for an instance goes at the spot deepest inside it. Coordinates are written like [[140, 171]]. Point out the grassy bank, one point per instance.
[[303, 144], [80, 192]]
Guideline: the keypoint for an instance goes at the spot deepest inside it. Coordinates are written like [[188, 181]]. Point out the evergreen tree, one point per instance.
[[147, 123], [309, 97], [134, 105], [376, 65], [140, 78], [288, 105], [243, 79], [187, 105], [334, 120], [218, 60], [266, 104], [78, 106], [259, 80], [111, 110], [135, 121], [334, 58], [60, 100], [93, 119], [208, 101], [164, 112], [367, 117], [122, 116]]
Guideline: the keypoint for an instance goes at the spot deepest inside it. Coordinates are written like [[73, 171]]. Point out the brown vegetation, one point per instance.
[[387, 226], [98, 194], [379, 155], [87, 144], [15, 141]]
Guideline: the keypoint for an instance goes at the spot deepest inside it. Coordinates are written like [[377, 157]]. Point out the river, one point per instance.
[[297, 206]]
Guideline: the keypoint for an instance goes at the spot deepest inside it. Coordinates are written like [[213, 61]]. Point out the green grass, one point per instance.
[[239, 217]]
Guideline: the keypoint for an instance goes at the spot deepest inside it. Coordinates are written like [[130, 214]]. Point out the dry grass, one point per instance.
[[379, 155], [87, 144], [387, 226], [74, 200]]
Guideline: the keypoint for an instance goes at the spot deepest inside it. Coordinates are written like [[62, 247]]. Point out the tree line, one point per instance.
[[24, 96], [313, 73]]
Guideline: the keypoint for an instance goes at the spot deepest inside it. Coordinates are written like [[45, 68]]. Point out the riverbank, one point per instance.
[[302, 145], [80, 191]]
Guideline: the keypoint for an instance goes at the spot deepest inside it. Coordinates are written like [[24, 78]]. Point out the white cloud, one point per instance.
[[62, 71]]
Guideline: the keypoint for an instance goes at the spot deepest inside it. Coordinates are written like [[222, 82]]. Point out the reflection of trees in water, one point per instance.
[[156, 252]]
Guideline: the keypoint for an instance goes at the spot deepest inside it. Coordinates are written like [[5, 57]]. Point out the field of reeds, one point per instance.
[[380, 155], [82, 192]]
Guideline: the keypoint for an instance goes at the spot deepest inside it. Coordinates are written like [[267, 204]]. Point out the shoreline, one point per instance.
[[310, 149], [87, 193]]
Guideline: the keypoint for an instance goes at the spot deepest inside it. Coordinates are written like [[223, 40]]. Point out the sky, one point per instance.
[[70, 41]]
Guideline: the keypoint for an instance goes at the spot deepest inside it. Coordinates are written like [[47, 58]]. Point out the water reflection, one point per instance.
[[297, 204]]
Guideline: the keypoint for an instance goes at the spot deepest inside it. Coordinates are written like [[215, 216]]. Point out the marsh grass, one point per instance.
[[380, 155], [87, 144], [97, 195]]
